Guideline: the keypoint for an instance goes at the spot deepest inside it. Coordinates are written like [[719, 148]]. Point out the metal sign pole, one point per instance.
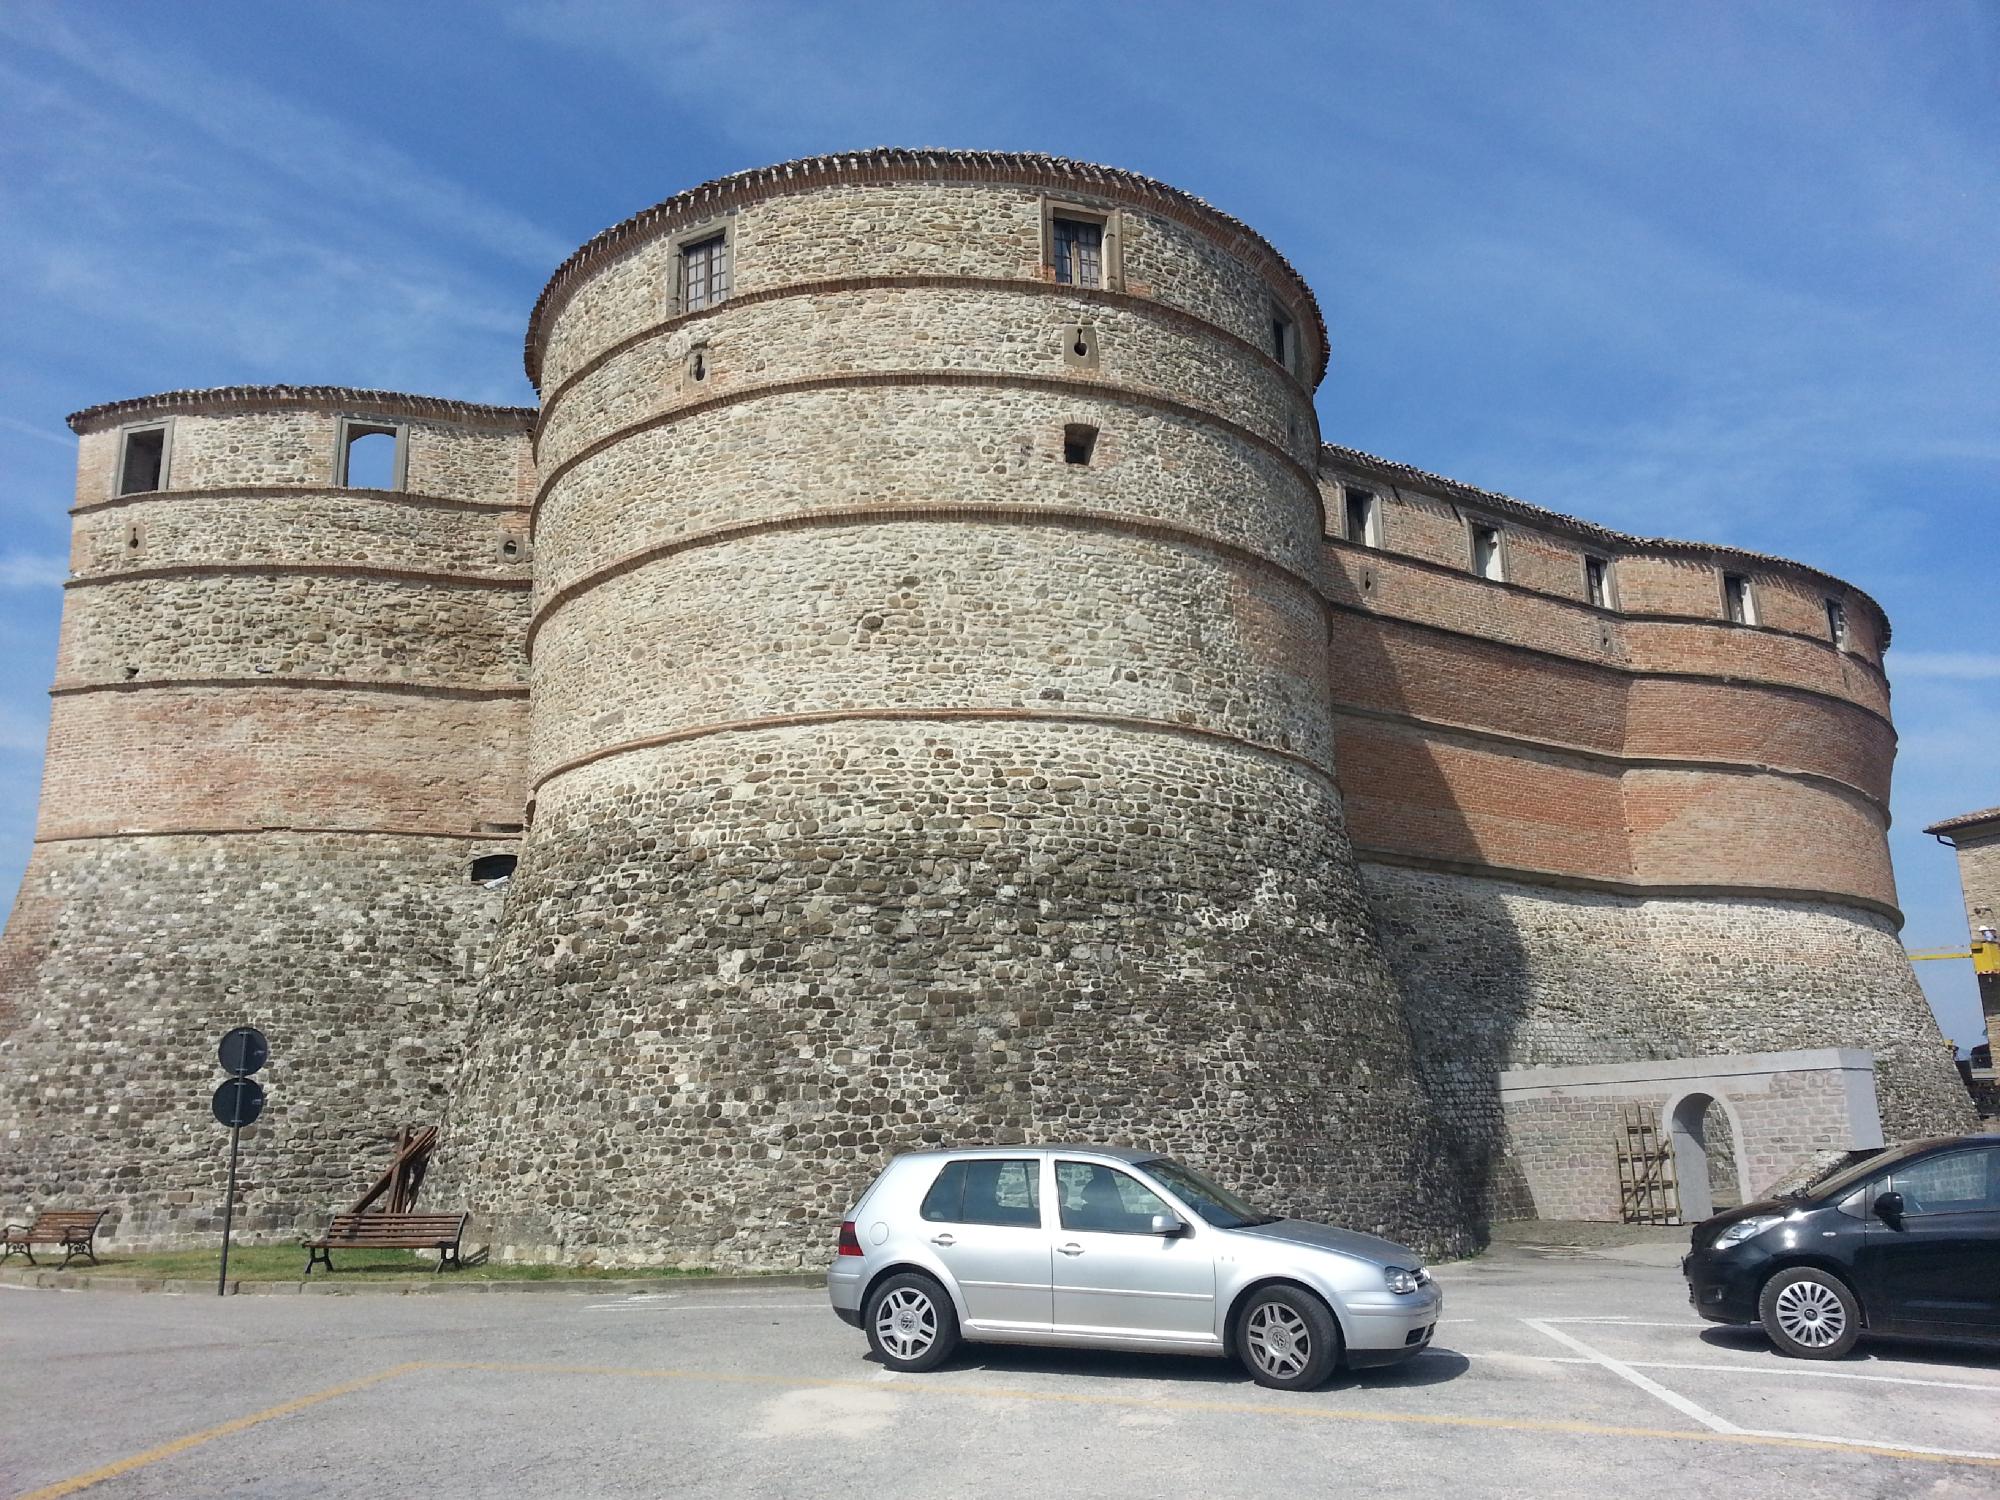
[[228, 1213]]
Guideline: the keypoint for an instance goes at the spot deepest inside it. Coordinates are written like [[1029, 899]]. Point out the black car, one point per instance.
[[1906, 1243]]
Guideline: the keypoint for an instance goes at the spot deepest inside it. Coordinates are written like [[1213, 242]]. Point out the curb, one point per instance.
[[431, 1285]]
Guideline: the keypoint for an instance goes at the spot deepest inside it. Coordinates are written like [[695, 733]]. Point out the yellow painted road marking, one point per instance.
[[209, 1434], [1296, 1411]]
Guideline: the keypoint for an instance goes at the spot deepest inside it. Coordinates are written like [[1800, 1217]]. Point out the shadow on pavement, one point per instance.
[[1433, 1367]]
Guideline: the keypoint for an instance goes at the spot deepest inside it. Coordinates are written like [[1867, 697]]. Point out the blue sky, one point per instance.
[[1714, 270]]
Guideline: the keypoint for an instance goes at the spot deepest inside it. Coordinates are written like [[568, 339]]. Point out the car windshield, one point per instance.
[[1847, 1177], [1216, 1205]]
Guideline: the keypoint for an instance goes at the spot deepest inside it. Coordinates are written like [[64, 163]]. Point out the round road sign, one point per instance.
[[239, 1101], [243, 1051]]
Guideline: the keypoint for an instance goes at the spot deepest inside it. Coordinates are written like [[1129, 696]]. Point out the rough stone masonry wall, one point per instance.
[[287, 718], [898, 783], [1496, 974]]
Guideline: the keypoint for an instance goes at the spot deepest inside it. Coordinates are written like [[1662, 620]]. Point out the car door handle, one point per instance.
[[1070, 1249], [944, 1239]]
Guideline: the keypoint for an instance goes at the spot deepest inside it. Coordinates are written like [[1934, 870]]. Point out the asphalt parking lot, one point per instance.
[[1554, 1373]]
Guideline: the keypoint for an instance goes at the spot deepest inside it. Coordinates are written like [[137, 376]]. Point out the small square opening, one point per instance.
[[1079, 443]]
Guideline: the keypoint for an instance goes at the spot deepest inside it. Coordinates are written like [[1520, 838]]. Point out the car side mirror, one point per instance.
[[1167, 1224], [1889, 1209]]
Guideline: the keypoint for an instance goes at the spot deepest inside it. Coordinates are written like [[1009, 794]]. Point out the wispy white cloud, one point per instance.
[[28, 570]]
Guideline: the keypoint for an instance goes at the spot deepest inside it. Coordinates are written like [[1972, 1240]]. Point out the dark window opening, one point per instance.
[[143, 465], [510, 548], [491, 867], [1360, 517], [1282, 343], [368, 457], [1079, 247], [1737, 603], [132, 538], [1597, 581], [1079, 442], [1836, 622], [704, 273]]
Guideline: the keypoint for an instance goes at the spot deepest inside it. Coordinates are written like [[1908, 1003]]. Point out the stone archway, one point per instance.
[[1707, 1145]]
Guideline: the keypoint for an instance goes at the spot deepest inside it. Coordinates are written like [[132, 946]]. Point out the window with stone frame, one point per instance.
[[1078, 245], [1739, 604], [142, 459], [1488, 561], [1363, 525], [1597, 581], [705, 272]]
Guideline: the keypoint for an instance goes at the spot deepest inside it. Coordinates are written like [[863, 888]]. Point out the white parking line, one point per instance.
[[1681, 1404], [1792, 1371], [1624, 1371]]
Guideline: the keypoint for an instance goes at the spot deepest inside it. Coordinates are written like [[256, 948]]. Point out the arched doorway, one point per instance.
[[1705, 1156]]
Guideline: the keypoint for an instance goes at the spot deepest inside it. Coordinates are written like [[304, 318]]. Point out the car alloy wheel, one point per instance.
[[1810, 1313], [911, 1323], [1287, 1338], [1279, 1340], [907, 1323]]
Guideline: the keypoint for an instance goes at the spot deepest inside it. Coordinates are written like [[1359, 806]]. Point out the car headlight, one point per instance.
[[1399, 1280], [1745, 1229]]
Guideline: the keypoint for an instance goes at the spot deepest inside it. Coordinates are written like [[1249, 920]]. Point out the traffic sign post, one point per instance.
[[237, 1103]]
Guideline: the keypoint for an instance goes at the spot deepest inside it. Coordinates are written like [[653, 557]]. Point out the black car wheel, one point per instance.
[[1810, 1313], [1287, 1339], [911, 1323]]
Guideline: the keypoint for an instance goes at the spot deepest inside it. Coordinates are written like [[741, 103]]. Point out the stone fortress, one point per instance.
[[938, 687]]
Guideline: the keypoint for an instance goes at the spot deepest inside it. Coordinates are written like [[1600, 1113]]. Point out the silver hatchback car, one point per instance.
[[1115, 1249]]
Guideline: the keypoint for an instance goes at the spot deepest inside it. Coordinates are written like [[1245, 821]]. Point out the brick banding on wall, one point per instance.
[[804, 290], [976, 380], [935, 733]]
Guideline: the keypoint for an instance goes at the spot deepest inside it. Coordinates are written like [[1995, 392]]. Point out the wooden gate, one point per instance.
[[1648, 1192]]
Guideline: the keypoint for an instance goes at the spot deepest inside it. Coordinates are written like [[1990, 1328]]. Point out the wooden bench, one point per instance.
[[73, 1229], [439, 1232]]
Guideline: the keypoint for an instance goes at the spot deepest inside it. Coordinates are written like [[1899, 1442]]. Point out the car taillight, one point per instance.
[[850, 1242]]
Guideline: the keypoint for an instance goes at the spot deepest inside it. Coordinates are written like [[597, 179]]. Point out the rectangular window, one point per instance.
[[1836, 623], [704, 272], [1102, 1200], [1486, 558], [1597, 581], [370, 455], [1362, 528], [1079, 252], [1007, 1193], [1283, 343], [142, 460], [1739, 605]]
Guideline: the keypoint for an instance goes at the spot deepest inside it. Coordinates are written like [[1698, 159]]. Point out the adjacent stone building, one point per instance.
[[1975, 836], [938, 687]]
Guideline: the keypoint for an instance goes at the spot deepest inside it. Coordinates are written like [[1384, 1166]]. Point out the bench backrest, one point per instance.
[[61, 1220], [363, 1228]]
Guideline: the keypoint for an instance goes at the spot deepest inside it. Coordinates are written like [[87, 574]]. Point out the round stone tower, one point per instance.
[[930, 737], [283, 730]]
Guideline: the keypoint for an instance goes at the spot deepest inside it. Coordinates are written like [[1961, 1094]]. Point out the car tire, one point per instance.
[[1809, 1314], [911, 1323], [1287, 1339]]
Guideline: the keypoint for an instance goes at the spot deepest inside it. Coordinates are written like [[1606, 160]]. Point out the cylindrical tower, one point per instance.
[[930, 735], [287, 718]]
